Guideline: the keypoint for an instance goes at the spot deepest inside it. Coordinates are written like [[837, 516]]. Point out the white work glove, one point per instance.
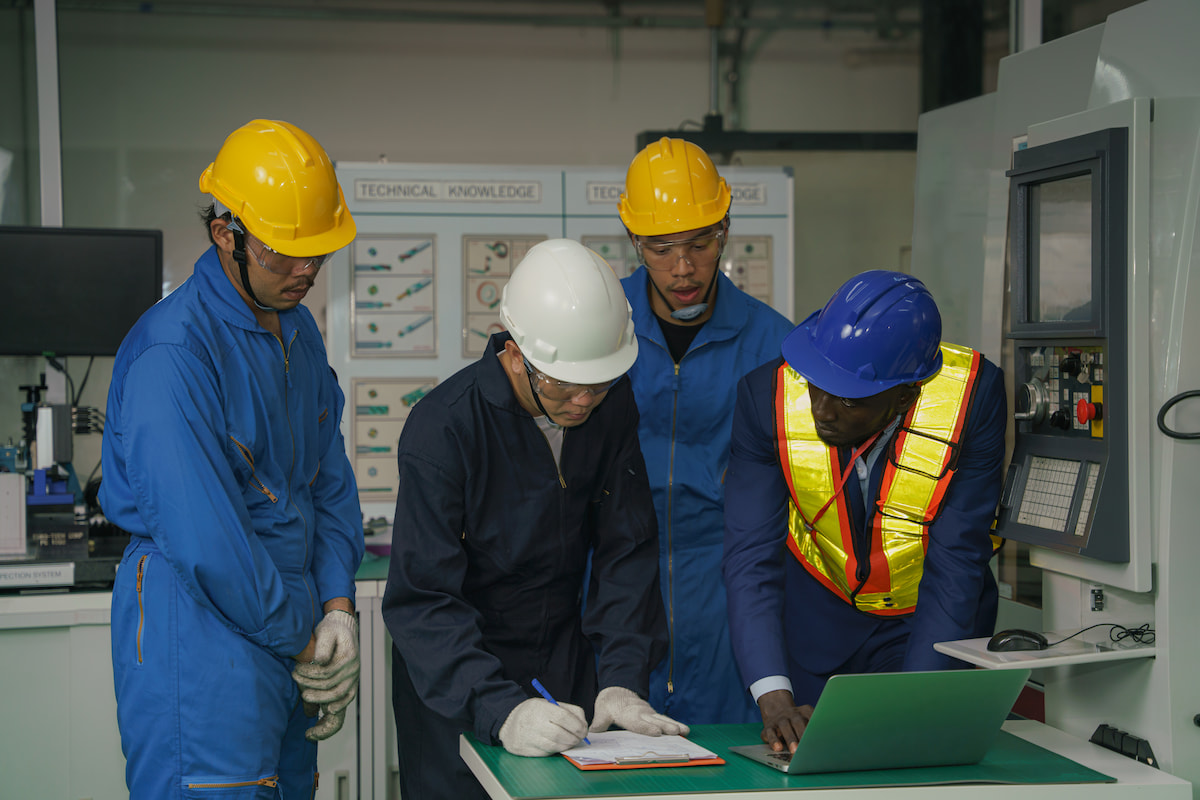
[[330, 723], [618, 705], [330, 680], [540, 728]]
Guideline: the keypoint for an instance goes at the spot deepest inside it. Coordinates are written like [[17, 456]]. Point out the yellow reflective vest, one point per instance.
[[921, 460]]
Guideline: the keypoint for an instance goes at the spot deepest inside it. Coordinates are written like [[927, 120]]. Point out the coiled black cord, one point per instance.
[[1167, 406], [1142, 634]]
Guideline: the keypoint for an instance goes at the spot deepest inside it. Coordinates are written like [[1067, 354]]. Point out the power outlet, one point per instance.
[[1124, 743]]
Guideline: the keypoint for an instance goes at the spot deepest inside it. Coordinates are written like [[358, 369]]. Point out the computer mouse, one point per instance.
[[1016, 639]]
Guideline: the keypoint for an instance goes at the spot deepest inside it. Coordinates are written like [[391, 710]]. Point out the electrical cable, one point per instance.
[[1167, 406], [1143, 634], [87, 419], [92, 474], [83, 383]]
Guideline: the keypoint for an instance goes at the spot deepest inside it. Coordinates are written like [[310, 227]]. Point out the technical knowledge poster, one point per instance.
[[415, 297]]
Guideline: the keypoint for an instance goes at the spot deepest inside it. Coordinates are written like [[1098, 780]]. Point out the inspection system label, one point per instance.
[[451, 191], [37, 575]]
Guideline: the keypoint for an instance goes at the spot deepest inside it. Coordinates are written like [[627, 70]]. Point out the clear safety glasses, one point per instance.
[[279, 264], [699, 251], [559, 391]]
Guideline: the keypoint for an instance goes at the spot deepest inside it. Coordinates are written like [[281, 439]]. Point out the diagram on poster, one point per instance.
[[747, 262], [392, 307], [419, 292], [381, 406], [487, 263], [618, 251]]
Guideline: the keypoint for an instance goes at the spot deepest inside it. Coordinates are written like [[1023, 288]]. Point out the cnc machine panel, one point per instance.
[[1067, 486]]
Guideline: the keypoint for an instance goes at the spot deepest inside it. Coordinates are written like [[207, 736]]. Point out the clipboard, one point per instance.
[[626, 750]]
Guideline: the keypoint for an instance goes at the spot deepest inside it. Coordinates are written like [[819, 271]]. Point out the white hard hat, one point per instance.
[[567, 312]]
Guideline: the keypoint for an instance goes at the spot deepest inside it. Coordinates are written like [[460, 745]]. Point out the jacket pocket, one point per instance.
[[253, 480], [326, 430]]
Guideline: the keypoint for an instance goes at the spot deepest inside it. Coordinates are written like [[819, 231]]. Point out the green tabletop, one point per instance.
[[372, 568], [1011, 760]]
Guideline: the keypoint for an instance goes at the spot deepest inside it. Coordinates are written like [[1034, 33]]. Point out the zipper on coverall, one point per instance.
[[287, 375], [669, 518], [669, 528], [271, 782], [561, 513], [141, 575], [671, 533]]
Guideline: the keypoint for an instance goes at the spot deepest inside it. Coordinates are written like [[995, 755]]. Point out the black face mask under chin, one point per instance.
[[688, 313]]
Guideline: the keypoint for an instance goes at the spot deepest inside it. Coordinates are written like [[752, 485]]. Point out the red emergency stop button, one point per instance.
[[1085, 412]]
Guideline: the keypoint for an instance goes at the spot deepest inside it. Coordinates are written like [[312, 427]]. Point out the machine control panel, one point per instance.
[[1061, 397], [1067, 486], [1063, 388]]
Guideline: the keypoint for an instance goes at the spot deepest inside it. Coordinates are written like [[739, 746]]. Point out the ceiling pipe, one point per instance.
[[819, 21], [714, 18]]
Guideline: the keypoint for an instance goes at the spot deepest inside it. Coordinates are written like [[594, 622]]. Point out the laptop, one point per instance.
[[891, 720]]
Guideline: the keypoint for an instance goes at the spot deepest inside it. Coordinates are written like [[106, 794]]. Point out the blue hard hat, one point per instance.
[[879, 330]]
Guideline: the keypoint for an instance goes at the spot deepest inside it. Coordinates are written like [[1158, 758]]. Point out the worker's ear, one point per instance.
[[906, 396], [516, 361], [221, 234]]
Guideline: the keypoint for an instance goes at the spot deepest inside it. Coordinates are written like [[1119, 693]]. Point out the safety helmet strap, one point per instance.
[[536, 397], [239, 255]]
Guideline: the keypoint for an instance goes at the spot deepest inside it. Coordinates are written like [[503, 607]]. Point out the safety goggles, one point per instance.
[[279, 264], [560, 391], [698, 251], [275, 262]]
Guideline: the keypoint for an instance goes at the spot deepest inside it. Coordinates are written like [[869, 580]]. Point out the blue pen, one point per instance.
[[542, 691]]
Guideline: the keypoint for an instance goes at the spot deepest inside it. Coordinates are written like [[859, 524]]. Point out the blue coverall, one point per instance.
[[686, 414], [223, 458]]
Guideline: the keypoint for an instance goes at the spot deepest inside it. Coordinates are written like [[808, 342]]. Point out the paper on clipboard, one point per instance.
[[625, 750]]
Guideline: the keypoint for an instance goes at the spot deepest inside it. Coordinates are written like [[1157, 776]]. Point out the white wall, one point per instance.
[[148, 99]]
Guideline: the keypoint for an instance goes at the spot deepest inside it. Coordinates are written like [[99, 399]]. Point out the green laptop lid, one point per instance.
[[906, 719]]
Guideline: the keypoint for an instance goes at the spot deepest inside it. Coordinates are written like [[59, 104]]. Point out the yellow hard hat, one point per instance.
[[280, 183], [672, 186]]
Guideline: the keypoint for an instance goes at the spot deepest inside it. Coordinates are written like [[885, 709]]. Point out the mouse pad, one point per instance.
[[939, 718]]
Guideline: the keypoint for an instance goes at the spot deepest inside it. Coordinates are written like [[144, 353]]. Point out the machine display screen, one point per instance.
[[75, 291], [1061, 212]]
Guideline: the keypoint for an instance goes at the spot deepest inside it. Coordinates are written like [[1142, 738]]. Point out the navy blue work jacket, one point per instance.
[[490, 544], [781, 615]]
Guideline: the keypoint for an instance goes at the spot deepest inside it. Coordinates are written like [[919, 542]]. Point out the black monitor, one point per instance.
[[1067, 217], [75, 291]]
